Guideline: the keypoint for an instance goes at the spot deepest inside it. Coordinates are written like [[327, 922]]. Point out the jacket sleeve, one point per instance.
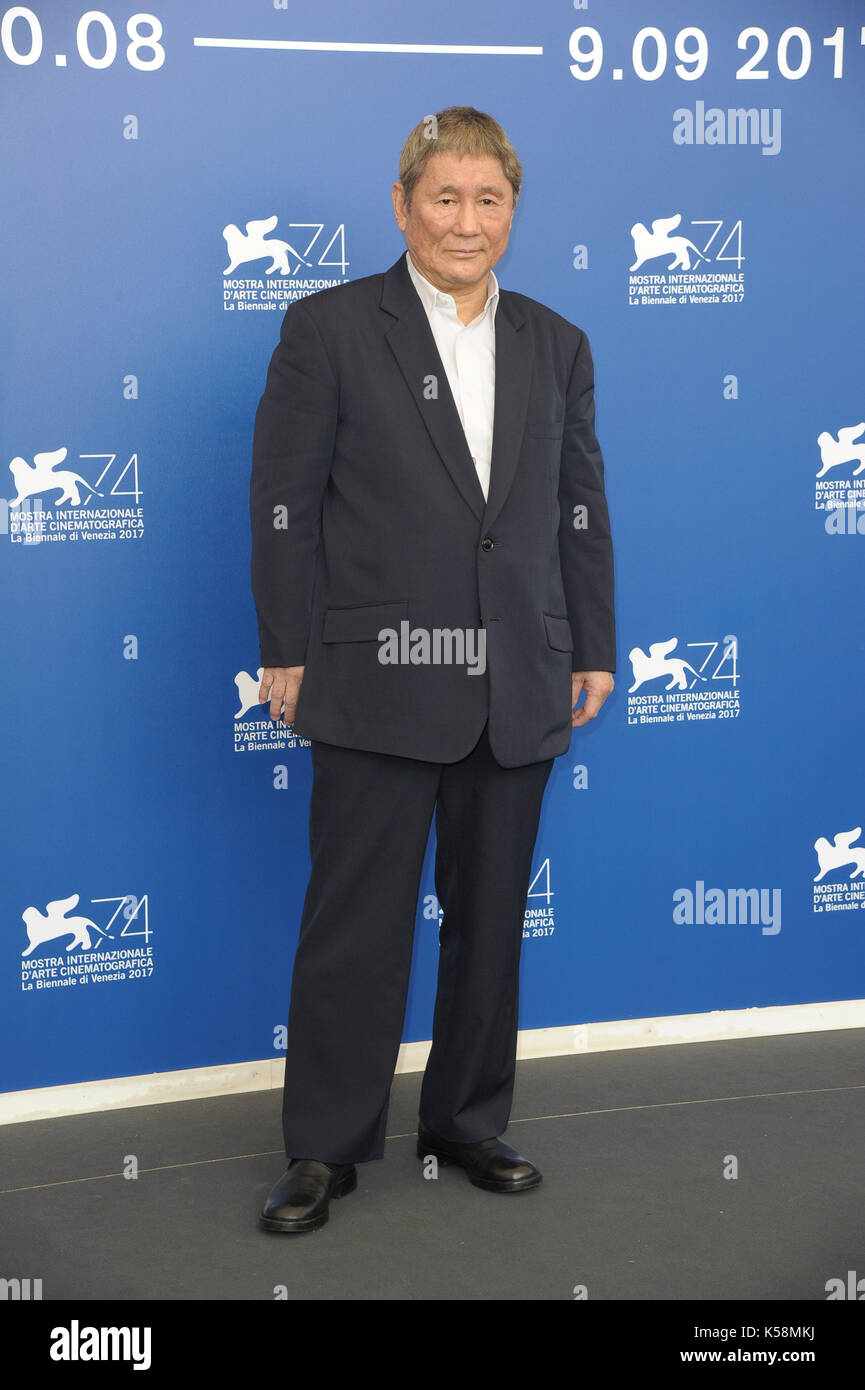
[[292, 452], [585, 544]]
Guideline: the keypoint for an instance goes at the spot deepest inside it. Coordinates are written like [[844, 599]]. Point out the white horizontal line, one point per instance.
[[365, 47]]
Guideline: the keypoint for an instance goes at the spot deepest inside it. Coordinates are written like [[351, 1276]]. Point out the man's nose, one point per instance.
[[467, 223]]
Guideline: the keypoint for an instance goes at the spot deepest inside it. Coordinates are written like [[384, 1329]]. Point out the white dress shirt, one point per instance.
[[468, 353]]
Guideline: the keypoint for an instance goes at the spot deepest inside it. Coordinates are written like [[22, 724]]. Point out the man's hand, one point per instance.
[[281, 686], [597, 685]]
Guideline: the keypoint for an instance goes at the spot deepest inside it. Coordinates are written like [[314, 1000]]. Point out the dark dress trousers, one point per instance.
[[367, 514]]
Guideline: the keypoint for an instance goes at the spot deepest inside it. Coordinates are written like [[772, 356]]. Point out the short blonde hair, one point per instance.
[[457, 130]]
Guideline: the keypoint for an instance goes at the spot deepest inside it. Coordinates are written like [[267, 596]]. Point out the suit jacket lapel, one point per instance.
[[514, 356], [413, 345]]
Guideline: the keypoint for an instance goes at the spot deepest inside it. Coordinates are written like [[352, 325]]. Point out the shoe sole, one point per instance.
[[346, 1184], [488, 1184]]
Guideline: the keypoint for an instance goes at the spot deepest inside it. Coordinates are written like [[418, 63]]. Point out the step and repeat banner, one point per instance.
[[693, 200]]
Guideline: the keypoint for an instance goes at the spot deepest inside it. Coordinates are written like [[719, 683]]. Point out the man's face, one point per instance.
[[457, 227]]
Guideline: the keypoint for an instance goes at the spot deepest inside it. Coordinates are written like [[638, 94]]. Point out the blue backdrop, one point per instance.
[[693, 200]]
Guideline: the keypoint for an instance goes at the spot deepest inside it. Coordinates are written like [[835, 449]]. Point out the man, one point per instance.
[[432, 573]]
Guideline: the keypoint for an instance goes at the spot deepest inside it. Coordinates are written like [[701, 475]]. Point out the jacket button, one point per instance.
[[486, 543]]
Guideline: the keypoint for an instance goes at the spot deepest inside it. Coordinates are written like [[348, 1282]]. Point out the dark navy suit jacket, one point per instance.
[[367, 513]]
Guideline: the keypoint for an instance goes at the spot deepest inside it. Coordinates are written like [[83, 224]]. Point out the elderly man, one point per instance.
[[432, 573]]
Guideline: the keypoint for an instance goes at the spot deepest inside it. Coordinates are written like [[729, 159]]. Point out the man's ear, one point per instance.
[[400, 206]]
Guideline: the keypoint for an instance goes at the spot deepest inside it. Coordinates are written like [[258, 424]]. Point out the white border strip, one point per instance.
[[158, 1088], [494, 49]]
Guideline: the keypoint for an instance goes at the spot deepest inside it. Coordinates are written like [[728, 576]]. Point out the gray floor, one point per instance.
[[634, 1202]]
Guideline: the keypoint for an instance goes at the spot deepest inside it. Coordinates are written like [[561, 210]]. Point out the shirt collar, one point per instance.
[[432, 298]]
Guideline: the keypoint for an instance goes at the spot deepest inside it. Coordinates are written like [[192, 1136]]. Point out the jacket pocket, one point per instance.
[[363, 623], [559, 633]]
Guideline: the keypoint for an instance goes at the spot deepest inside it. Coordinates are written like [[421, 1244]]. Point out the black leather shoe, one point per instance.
[[300, 1199], [490, 1164]]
